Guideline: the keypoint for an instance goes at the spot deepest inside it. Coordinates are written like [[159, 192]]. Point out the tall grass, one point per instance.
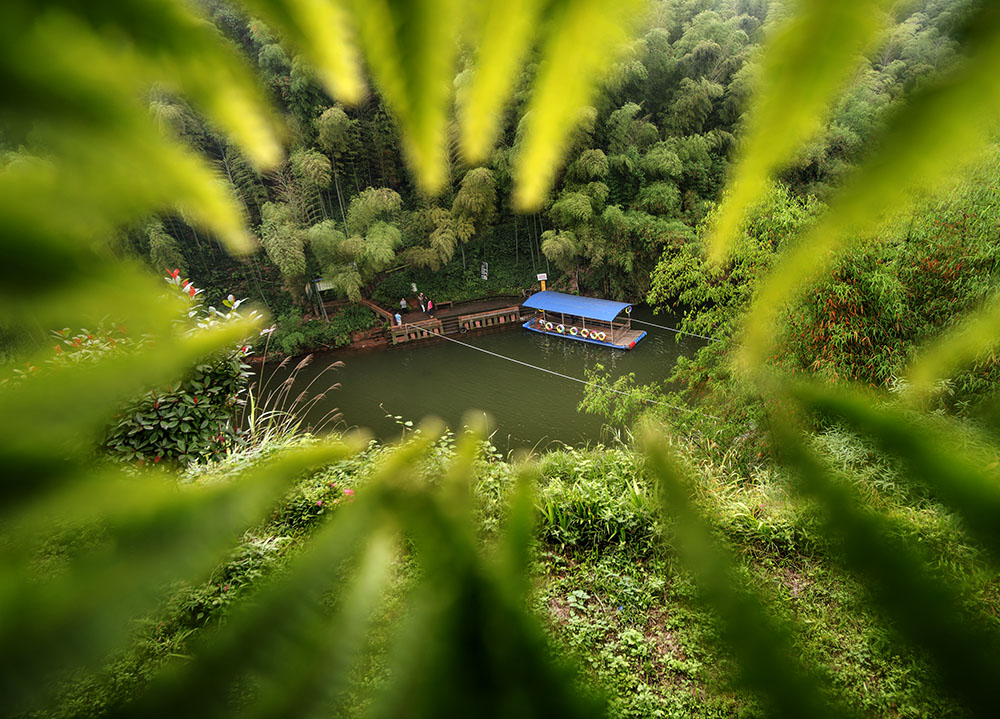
[[275, 411]]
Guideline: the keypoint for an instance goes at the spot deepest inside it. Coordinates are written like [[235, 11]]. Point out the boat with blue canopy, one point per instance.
[[584, 319]]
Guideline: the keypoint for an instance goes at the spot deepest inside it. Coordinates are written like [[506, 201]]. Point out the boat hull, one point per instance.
[[632, 342]]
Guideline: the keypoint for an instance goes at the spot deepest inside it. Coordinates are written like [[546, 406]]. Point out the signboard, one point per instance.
[[484, 271], [542, 277]]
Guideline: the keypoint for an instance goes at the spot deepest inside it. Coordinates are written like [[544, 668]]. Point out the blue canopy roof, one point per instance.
[[589, 307]]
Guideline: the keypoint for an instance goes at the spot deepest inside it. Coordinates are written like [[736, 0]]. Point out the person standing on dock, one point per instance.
[[423, 302], [430, 306], [402, 304], [399, 319]]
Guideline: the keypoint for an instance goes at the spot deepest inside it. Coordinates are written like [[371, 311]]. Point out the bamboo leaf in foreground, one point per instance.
[[411, 47], [939, 129], [976, 335], [800, 78], [507, 30], [322, 30], [929, 611], [763, 647], [580, 38], [286, 625], [75, 618], [932, 457]]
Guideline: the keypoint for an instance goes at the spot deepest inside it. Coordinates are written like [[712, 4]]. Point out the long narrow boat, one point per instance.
[[584, 319]]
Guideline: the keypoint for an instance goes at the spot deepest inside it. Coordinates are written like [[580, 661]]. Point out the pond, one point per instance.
[[526, 407]]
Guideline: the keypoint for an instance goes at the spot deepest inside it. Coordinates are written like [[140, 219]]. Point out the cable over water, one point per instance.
[[680, 332], [553, 372]]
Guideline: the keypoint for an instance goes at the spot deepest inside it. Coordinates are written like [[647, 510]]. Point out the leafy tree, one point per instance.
[[284, 242], [335, 132], [368, 245]]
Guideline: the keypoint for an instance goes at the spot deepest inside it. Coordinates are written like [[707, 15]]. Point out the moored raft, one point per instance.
[[584, 319]]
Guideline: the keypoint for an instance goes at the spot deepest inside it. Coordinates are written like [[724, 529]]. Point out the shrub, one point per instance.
[[293, 336], [192, 419], [595, 498]]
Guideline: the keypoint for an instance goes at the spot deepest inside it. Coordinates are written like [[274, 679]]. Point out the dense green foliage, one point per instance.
[[293, 336]]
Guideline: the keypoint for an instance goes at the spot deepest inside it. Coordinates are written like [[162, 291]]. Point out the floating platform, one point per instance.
[[584, 319]]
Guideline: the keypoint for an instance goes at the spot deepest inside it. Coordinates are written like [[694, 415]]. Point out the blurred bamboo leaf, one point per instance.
[[929, 611], [763, 647], [322, 30], [580, 39], [940, 128], [285, 625], [411, 47], [972, 337], [502, 41], [71, 620], [934, 456], [807, 62], [99, 388], [468, 646]]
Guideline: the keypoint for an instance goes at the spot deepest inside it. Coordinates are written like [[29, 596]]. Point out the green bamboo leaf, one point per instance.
[[581, 39], [502, 41], [99, 388], [315, 678], [73, 619], [934, 456], [184, 52], [942, 127], [468, 646], [411, 46], [763, 647], [88, 115], [810, 58], [970, 339], [517, 537], [929, 611], [322, 31], [253, 640]]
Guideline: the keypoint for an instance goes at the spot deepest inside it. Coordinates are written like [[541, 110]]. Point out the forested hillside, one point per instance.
[[645, 166]]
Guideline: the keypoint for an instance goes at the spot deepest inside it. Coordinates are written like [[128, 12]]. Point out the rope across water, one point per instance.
[[680, 332], [553, 372]]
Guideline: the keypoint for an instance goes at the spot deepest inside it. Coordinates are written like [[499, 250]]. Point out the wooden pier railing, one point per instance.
[[492, 318], [415, 331]]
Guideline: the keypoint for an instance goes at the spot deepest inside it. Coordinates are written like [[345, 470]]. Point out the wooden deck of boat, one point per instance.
[[626, 337]]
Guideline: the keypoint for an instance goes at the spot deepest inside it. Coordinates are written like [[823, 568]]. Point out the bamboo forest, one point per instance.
[[500, 358]]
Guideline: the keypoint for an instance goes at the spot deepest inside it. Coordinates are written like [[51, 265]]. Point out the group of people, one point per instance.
[[426, 305]]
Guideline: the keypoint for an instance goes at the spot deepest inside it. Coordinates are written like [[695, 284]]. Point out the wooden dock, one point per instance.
[[478, 316]]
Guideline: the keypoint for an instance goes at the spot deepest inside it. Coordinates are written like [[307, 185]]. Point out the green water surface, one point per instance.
[[526, 407]]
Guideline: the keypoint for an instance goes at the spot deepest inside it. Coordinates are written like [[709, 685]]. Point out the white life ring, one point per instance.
[[548, 326], [601, 336], [574, 331], [585, 333], [560, 329]]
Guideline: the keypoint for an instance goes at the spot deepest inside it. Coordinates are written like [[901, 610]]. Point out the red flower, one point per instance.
[[156, 459], [175, 273], [191, 291]]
